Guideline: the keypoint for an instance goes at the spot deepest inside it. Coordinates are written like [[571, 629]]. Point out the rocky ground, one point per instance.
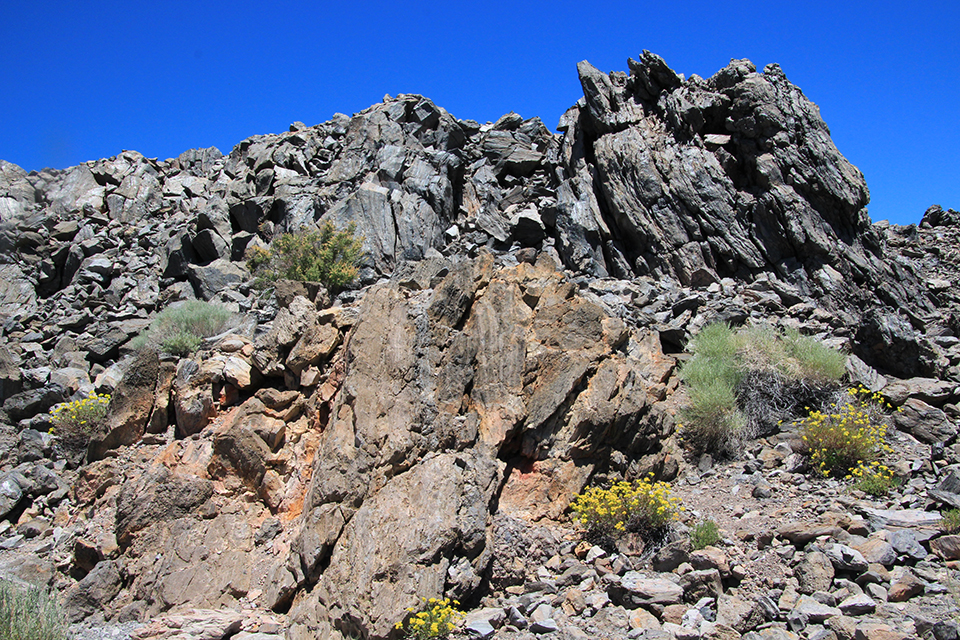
[[515, 333]]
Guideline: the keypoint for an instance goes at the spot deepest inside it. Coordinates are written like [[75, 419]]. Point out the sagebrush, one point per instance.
[[30, 613], [180, 329], [741, 384], [327, 256]]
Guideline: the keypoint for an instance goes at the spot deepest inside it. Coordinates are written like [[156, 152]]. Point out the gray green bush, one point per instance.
[[327, 256], [30, 613], [743, 383], [180, 330]]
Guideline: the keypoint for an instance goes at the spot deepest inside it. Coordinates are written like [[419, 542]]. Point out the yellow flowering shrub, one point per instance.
[[849, 438], [81, 417], [873, 478], [641, 505], [437, 619]]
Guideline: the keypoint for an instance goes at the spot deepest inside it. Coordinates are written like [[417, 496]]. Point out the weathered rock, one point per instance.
[[634, 590], [399, 545], [815, 572], [156, 496], [924, 422], [905, 586], [131, 404], [96, 590], [947, 547]]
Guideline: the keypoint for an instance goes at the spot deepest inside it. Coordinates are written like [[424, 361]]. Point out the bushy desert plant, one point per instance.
[[436, 619], [849, 438], [743, 383], [29, 613], [179, 330], [640, 506], [80, 418], [704, 534], [326, 256]]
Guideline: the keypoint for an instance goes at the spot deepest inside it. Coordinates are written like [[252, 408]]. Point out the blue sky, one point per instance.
[[85, 80]]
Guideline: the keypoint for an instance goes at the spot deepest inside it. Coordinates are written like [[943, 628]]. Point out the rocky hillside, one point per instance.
[[523, 303]]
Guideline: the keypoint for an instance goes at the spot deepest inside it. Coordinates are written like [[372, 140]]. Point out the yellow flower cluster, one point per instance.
[[873, 478], [81, 417], [638, 505], [437, 619], [850, 437]]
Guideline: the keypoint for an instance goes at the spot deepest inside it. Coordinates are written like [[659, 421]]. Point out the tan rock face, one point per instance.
[[493, 364]]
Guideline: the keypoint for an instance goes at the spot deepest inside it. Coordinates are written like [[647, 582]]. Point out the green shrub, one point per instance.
[[179, 330], [640, 506], [437, 619], [326, 256], [704, 534], [80, 418], [741, 384], [29, 613]]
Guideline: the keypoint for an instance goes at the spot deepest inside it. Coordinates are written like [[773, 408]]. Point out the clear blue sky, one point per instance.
[[84, 80]]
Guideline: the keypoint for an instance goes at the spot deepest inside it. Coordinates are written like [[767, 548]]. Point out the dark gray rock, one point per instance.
[[210, 279]]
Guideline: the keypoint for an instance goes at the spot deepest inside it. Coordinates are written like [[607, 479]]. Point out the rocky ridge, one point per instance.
[[522, 307]]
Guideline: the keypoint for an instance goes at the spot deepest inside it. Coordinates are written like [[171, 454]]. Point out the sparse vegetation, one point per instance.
[[641, 506], [80, 418], [437, 619], [179, 330], [29, 613], [951, 521], [742, 383], [704, 534], [326, 256]]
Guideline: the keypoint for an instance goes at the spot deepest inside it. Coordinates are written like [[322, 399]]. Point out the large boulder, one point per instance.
[[130, 406]]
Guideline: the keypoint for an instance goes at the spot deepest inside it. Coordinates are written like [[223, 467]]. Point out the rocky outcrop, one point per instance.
[[524, 301], [732, 176]]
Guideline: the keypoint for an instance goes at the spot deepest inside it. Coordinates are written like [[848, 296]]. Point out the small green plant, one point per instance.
[[29, 613], [951, 521], [437, 619], [848, 439], [327, 256], [641, 506], [704, 534], [81, 418], [874, 479], [179, 330]]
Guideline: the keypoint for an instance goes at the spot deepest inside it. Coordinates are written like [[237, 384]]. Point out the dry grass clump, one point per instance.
[[743, 383]]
